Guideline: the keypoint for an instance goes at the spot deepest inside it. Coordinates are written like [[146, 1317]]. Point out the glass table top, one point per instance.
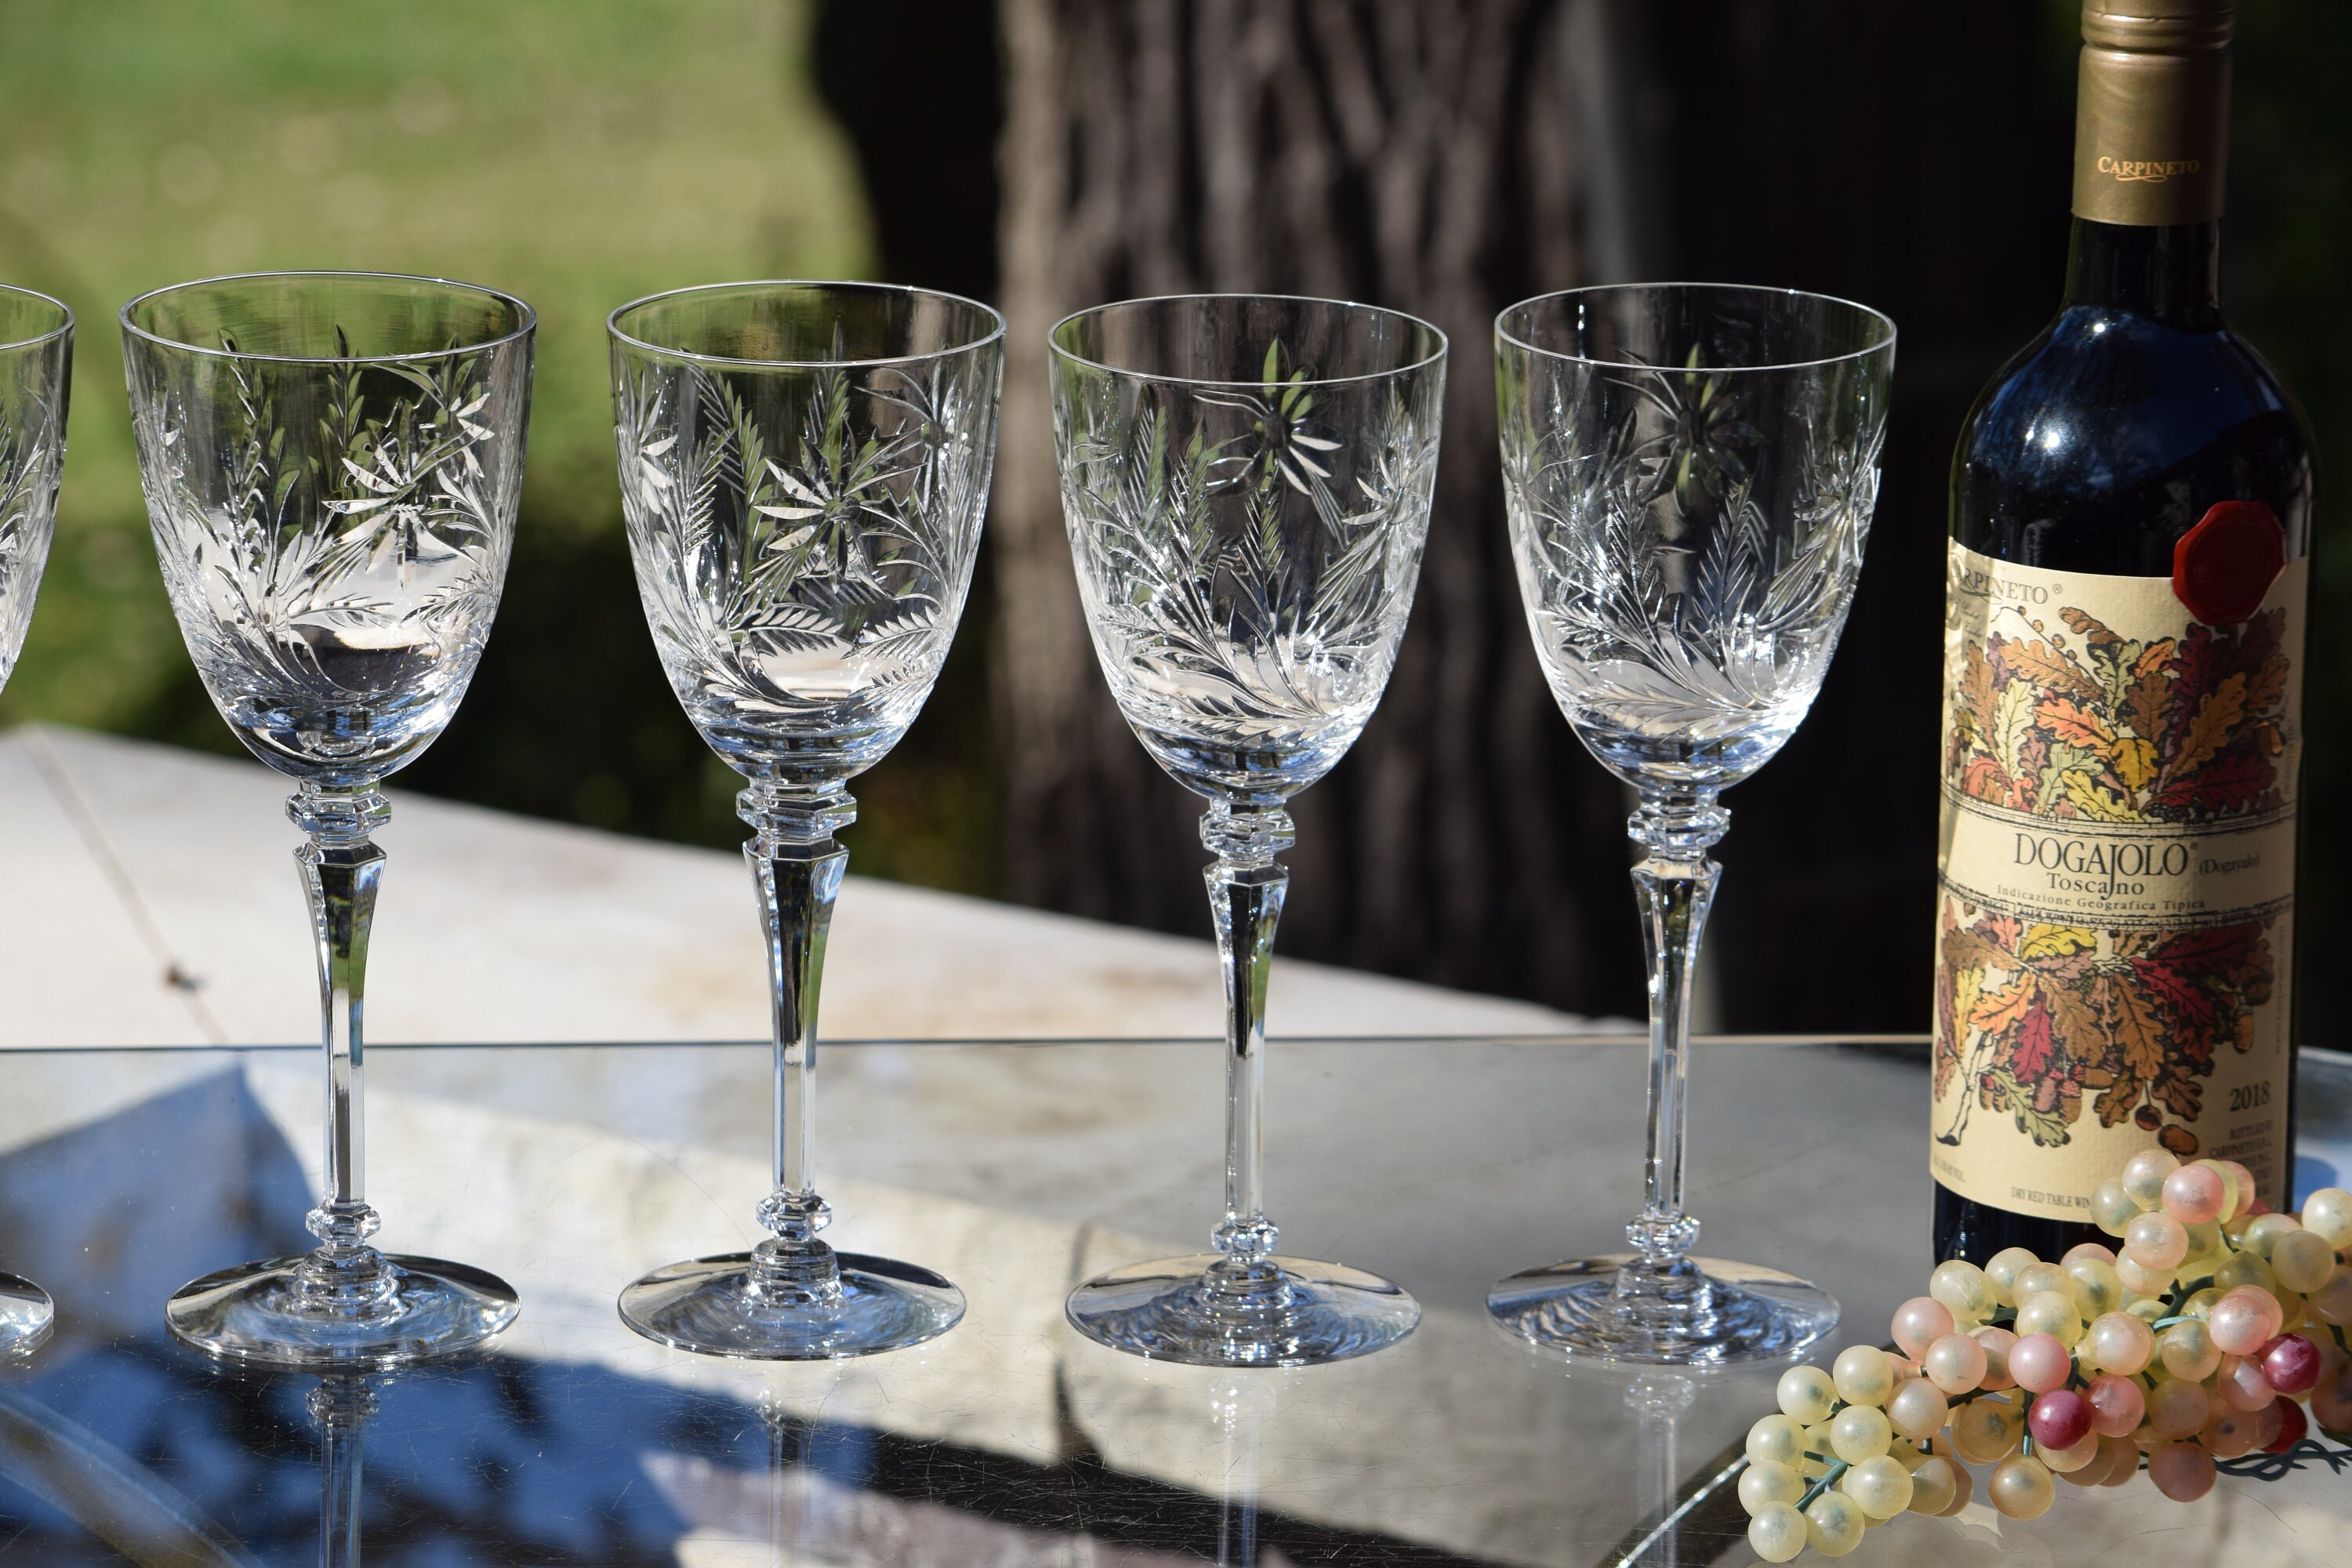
[[1017, 1170]]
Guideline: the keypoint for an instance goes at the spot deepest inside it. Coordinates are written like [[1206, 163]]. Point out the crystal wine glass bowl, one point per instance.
[[332, 462], [1247, 481], [36, 370], [803, 469], [1689, 472]]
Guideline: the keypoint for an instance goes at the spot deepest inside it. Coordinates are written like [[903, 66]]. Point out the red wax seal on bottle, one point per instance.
[[2223, 568]]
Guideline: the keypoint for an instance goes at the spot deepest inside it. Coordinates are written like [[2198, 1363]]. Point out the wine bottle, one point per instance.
[[2130, 519]]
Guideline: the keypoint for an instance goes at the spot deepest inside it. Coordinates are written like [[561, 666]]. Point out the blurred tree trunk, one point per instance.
[[1443, 157]]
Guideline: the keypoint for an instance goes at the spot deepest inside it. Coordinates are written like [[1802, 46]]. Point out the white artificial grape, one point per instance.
[[1860, 1432], [1806, 1394], [2144, 1174], [1955, 1364], [1881, 1488], [2112, 1208], [2021, 1488], [1777, 1533], [1934, 1485], [1775, 1439], [2245, 1268], [2001, 1268], [2304, 1261], [2328, 1214], [2037, 1276], [1863, 1375], [2051, 1313], [1918, 1409], [1964, 1290], [2141, 1281], [2263, 1234], [2095, 1285], [1768, 1483], [1833, 1524]]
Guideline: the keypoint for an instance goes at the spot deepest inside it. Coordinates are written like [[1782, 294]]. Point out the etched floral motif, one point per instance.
[[1669, 601], [804, 576], [333, 533], [1247, 556], [31, 454]]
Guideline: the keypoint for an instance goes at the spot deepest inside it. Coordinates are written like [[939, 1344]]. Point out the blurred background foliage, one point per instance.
[[582, 153]]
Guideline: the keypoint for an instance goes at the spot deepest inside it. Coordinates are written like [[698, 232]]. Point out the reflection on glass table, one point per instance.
[[1020, 1168]]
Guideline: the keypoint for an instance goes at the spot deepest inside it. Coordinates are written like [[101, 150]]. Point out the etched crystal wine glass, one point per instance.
[[803, 469], [36, 372], [1689, 471], [1246, 480], [332, 462]]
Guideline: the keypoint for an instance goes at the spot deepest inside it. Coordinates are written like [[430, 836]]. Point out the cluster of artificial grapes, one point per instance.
[[2184, 1349]]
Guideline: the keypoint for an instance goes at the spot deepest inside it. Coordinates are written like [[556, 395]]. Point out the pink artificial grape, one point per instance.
[[2040, 1362], [1997, 1344], [2156, 1241], [1955, 1364], [2117, 1407], [2291, 1363], [2181, 1471], [2331, 1402], [2230, 1435], [2118, 1342], [2243, 1321], [2242, 1385], [2178, 1408], [2194, 1194], [2060, 1418], [2267, 1421], [1920, 1322], [2293, 1428]]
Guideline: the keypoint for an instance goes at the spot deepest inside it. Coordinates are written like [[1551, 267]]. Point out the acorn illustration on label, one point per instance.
[[2222, 569]]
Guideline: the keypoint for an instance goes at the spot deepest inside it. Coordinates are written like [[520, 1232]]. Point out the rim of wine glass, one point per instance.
[[841, 286], [1885, 345], [521, 329], [38, 338], [1444, 344]]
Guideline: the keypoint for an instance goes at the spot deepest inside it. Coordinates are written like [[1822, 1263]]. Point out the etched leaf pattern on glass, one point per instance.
[[1674, 611], [1247, 569], [335, 564], [32, 453], [811, 584]]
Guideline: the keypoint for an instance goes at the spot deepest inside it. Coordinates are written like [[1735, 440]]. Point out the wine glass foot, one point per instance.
[[718, 1306], [256, 1313], [1207, 1310], [1702, 1311], [26, 1315]]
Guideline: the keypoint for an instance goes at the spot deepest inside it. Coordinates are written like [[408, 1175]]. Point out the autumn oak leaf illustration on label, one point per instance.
[[2101, 729]]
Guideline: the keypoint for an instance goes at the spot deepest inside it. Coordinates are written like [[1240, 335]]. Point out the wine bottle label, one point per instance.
[[2116, 913]]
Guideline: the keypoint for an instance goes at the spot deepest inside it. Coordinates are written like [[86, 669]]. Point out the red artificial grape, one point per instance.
[[2290, 1363], [2060, 1418], [2293, 1428]]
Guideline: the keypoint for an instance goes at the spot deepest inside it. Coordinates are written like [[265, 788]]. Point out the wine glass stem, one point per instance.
[[1245, 895], [797, 865], [342, 1408], [1675, 884], [340, 867]]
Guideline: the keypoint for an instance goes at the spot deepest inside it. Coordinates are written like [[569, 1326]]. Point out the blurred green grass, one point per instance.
[[577, 152]]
